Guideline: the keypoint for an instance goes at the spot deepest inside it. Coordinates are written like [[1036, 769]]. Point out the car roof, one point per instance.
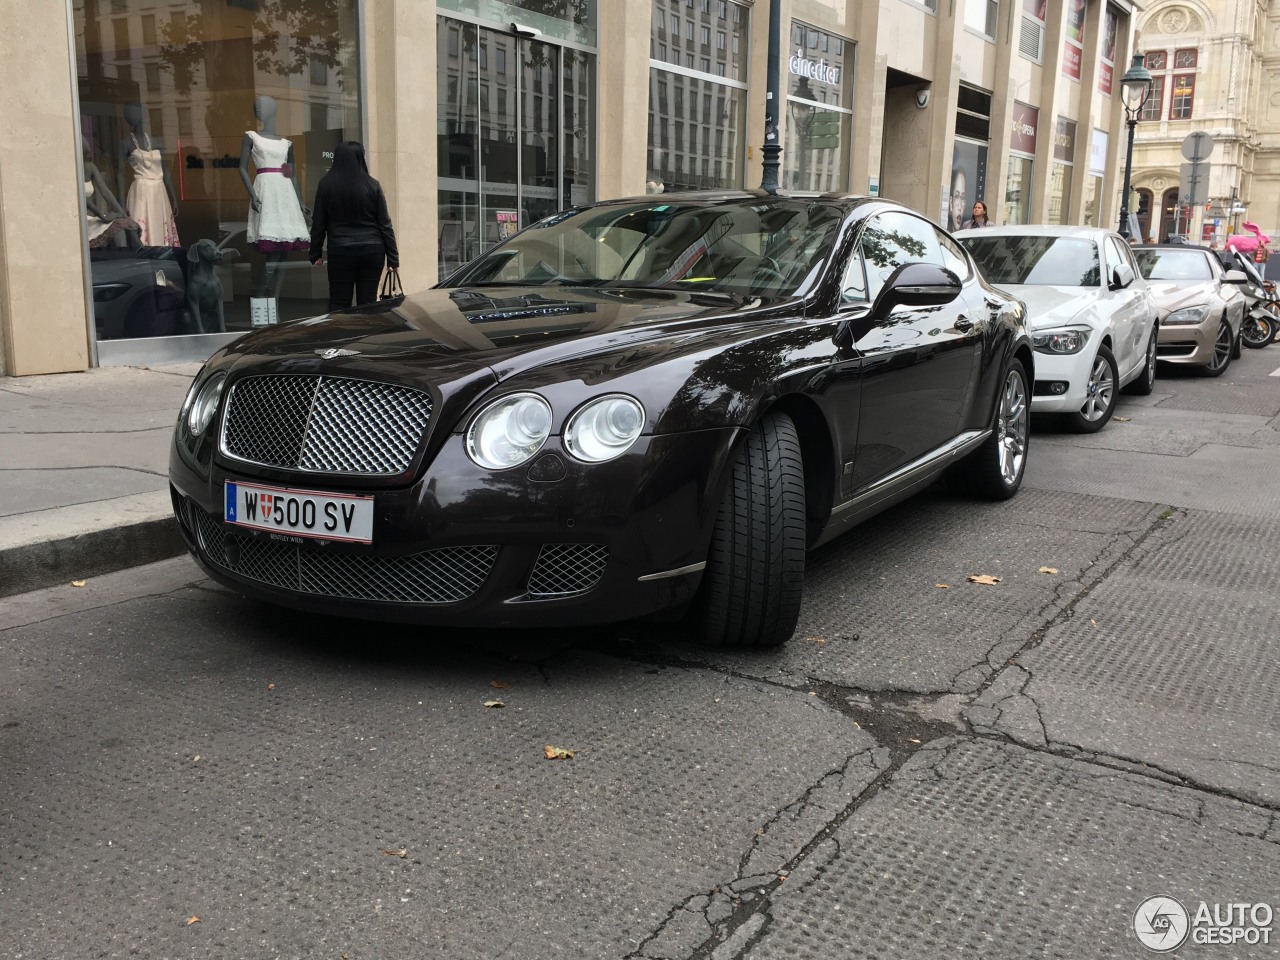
[[1175, 246], [1037, 230], [846, 200]]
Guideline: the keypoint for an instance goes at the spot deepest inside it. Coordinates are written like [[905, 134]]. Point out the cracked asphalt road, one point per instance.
[[975, 771]]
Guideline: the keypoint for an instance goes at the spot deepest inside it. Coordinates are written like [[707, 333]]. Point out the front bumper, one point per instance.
[[1071, 370], [462, 546], [1189, 344]]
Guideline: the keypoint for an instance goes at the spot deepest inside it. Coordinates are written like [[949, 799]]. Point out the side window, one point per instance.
[[953, 257], [892, 239]]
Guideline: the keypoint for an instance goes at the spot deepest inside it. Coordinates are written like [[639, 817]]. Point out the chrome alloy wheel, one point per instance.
[[1012, 427], [1221, 349], [1101, 391]]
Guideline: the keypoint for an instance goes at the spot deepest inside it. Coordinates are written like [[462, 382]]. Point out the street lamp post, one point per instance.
[[1137, 87]]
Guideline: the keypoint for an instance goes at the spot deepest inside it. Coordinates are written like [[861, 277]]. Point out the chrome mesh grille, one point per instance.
[[446, 575], [567, 568], [325, 424]]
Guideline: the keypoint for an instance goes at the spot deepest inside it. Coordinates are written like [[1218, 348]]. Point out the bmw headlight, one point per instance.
[[1066, 340], [1188, 315], [605, 428], [509, 431], [205, 404]]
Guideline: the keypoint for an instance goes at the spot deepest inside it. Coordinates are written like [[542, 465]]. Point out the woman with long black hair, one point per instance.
[[351, 211]]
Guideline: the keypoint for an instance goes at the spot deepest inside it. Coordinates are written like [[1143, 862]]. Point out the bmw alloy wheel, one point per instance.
[[1101, 391]]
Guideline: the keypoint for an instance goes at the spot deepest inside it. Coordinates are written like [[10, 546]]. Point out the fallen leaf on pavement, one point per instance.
[[196, 758], [395, 853], [816, 639], [983, 578], [271, 686], [191, 920], [556, 753], [78, 583], [913, 740], [1094, 622], [499, 684], [1048, 569], [943, 586], [1122, 419], [494, 703]]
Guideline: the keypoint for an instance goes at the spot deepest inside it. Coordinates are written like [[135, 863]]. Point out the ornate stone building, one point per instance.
[[1216, 70]]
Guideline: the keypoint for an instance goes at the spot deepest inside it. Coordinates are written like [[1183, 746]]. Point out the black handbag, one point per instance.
[[390, 288]]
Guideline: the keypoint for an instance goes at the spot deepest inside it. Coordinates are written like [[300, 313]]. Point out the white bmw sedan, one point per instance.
[[1090, 313]]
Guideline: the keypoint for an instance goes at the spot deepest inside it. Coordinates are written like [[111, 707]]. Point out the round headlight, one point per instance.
[[509, 431], [604, 428], [205, 405]]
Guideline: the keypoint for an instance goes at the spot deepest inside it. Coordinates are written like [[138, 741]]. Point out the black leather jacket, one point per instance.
[[368, 233]]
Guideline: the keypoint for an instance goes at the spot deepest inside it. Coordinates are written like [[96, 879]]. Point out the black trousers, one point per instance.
[[359, 273]]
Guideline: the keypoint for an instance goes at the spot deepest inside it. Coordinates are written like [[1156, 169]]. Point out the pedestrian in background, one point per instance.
[[351, 213], [978, 218]]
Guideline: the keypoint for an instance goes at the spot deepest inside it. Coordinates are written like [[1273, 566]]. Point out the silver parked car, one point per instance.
[[1201, 306]]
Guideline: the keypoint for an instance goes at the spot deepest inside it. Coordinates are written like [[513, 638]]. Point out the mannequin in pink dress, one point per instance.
[[150, 200]]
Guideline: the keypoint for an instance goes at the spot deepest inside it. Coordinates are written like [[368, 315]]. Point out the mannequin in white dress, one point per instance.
[[106, 222], [277, 221]]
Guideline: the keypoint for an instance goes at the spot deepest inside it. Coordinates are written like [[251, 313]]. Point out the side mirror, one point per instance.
[[1235, 276], [1122, 276], [916, 285]]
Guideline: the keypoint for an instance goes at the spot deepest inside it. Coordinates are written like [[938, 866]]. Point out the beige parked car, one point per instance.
[[1201, 306]]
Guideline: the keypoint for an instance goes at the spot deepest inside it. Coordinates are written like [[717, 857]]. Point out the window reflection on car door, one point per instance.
[[1127, 307], [916, 363]]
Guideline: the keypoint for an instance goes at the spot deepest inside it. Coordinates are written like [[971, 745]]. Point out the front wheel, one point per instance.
[[754, 577], [994, 471], [1257, 331], [1221, 358], [1100, 398]]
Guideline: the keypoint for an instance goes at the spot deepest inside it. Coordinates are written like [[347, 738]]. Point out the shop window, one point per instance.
[[194, 223]]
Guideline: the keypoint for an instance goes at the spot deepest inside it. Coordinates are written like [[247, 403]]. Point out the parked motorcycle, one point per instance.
[[1262, 309]]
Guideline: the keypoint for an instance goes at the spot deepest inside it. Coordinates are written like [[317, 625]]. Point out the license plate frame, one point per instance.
[[349, 521]]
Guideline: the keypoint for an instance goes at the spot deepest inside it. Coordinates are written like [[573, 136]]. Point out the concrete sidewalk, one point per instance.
[[84, 461]]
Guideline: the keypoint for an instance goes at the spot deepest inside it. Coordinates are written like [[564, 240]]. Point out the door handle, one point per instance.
[[963, 324]]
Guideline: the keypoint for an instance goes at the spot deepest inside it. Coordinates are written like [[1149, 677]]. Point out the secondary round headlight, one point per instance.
[[1067, 340], [509, 431], [205, 405], [604, 428]]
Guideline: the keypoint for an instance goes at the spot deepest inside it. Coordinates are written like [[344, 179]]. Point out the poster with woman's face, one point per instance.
[[968, 182], [1109, 24]]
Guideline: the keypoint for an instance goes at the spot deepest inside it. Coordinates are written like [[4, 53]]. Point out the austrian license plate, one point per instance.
[[301, 513]]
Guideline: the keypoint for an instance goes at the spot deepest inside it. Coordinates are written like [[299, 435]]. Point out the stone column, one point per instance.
[[42, 302]]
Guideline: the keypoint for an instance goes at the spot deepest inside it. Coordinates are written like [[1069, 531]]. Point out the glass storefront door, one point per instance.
[[516, 135]]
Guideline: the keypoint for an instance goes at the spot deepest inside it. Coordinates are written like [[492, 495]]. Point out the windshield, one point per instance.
[[1188, 265], [1036, 260], [764, 247]]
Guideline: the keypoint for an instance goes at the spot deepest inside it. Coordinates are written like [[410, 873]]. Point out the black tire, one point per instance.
[[1235, 347], [1221, 358], [994, 471], [1146, 381], [1101, 402], [754, 578], [1257, 332]]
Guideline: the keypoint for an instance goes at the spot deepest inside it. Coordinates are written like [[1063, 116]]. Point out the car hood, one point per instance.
[[1171, 295], [504, 329], [1053, 306]]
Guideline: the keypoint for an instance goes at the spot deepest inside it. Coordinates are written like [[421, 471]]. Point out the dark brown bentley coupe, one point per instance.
[[643, 407]]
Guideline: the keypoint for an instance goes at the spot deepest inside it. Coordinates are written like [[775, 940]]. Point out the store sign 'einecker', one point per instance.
[[818, 70]]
